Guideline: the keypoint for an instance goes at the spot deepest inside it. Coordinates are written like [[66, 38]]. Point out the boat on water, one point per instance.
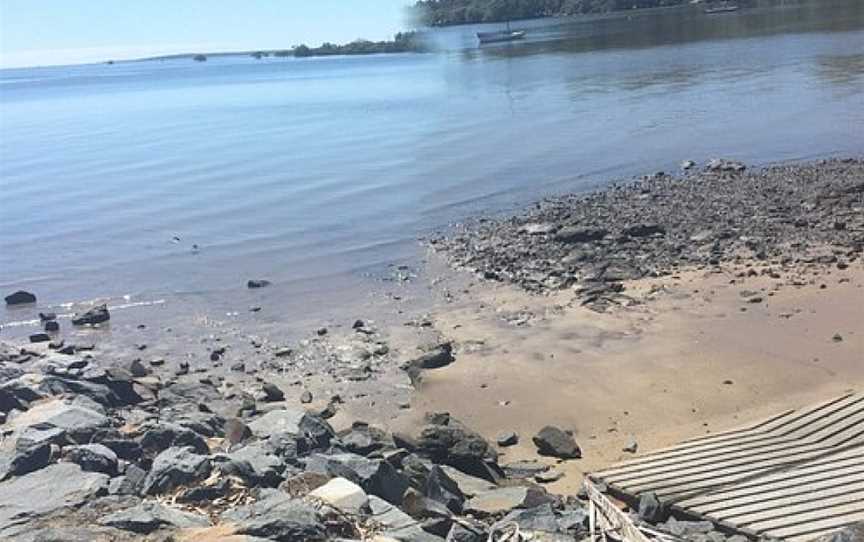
[[724, 8], [503, 35]]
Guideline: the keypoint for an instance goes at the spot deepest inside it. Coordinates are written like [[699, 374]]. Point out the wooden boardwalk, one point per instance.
[[796, 476]]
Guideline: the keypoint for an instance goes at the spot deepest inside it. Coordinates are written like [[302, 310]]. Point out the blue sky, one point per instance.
[[47, 32]]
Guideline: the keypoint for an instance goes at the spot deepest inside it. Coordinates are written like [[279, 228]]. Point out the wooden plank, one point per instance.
[[797, 475]]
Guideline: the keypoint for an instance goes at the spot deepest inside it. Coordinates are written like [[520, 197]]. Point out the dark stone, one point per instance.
[[138, 369], [20, 298], [376, 477], [130, 483], [852, 533], [24, 460], [306, 397], [365, 440], [150, 516], [464, 532], [40, 338], [277, 516], [554, 442], [47, 316], [129, 450], [96, 315], [644, 230], [236, 431], [272, 393], [51, 326], [45, 492], [540, 518], [571, 234], [441, 488], [651, 509], [92, 458], [509, 438], [252, 284], [175, 467], [159, 437]]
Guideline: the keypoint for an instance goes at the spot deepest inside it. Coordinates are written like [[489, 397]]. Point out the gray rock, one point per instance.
[[278, 517], [468, 485], [363, 439], [96, 315], [632, 446], [343, 495], [150, 516], [92, 458], [310, 431], [548, 476], [651, 509], [853, 533], [257, 283], [570, 234], [503, 500], [161, 436], [272, 393], [45, 491], [130, 483], [554, 442], [539, 518], [306, 397], [448, 441], [19, 461], [509, 438], [175, 467], [266, 466], [20, 298], [77, 423], [441, 488], [397, 524], [376, 477], [465, 532]]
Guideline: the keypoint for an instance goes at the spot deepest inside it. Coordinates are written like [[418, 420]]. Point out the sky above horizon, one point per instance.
[[51, 32]]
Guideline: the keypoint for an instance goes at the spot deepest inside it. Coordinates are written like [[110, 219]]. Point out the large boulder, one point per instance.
[[277, 516], [150, 516], [92, 458], [267, 468], [161, 436], [554, 442], [397, 524], [364, 439], [46, 491], [446, 440], [343, 495], [77, 423], [175, 467], [376, 477], [441, 488], [18, 461], [91, 317], [503, 500], [310, 432], [20, 298]]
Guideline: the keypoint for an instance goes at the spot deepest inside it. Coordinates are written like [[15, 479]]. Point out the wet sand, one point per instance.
[[694, 358]]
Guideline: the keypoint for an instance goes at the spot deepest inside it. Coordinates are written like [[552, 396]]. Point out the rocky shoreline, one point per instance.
[[786, 222], [238, 438]]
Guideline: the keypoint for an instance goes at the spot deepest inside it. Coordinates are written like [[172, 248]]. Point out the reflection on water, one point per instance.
[[294, 170]]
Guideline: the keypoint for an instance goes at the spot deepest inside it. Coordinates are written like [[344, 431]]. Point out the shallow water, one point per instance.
[[314, 172]]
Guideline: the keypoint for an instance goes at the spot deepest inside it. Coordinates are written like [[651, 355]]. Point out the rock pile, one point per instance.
[[784, 219], [93, 452]]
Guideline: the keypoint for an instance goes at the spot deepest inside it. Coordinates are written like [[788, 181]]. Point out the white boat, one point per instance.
[[502, 35], [723, 8]]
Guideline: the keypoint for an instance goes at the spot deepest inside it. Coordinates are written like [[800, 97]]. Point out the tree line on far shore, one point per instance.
[[452, 12]]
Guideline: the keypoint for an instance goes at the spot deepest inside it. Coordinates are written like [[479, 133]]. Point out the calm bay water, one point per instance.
[[309, 172]]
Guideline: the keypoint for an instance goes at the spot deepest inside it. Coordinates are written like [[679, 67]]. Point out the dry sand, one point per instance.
[[695, 358]]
